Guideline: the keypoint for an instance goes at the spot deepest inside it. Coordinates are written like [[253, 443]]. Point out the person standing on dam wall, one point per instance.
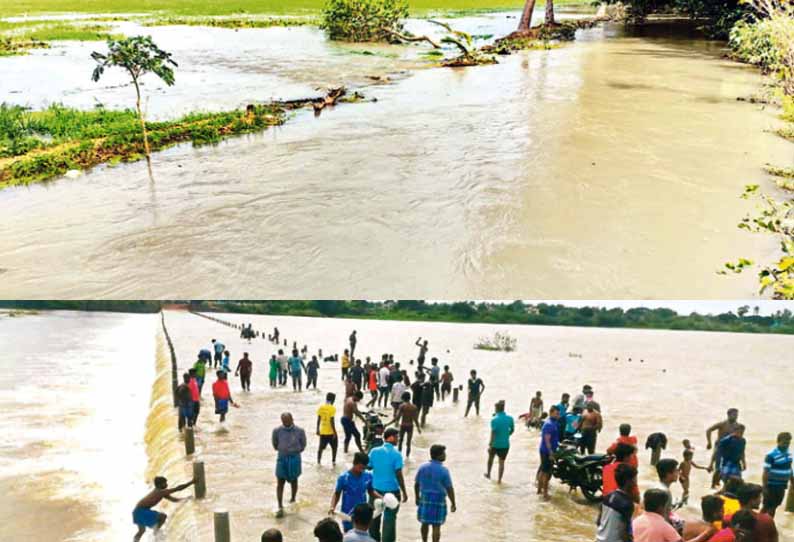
[[184, 400]]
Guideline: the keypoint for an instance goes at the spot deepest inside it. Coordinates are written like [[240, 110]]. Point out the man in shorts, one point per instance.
[[432, 488], [143, 516], [502, 426], [475, 388], [549, 441], [184, 400], [408, 417], [446, 382], [222, 395], [349, 412], [777, 474], [326, 428], [289, 441]]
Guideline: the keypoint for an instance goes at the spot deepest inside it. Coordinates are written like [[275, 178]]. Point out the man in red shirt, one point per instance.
[[222, 395], [622, 453], [741, 528], [625, 438], [750, 496], [195, 394]]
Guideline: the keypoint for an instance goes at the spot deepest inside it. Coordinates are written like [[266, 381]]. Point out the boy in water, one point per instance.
[[446, 382], [222, 395], [684, 469], [143, 516]]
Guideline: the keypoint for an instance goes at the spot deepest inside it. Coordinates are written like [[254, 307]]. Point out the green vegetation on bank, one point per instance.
[[37, 145], [745, 320], [231, 22], [269, 7], [513, 313], [17, 38]]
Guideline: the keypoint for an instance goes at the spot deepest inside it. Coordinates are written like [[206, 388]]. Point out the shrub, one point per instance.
[[363, 20]]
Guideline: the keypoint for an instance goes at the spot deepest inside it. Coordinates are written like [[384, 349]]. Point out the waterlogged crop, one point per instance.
[[363, 20]]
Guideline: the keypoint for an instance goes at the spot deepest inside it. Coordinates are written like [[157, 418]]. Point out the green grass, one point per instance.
[[17, 38], [38, 145], [205, 7]]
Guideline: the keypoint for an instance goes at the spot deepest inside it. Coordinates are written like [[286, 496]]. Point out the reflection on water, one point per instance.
[[75, 391], [686, 382], [610, 163]]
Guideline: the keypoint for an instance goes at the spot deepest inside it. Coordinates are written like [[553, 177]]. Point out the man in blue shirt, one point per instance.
[[502, 426], [432, 487], [387, 477], [218, 347], [296, 368], [777, 474], [353, 486], [549, 441], [562, 407]]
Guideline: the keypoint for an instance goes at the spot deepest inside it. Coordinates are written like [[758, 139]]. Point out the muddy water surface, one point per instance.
[[609, 168]]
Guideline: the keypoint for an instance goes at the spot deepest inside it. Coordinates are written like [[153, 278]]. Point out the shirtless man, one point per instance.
[[420, 359], [143, 516], [408, 418], [535, 409], [722, 428], [348, 420], [590, 425]]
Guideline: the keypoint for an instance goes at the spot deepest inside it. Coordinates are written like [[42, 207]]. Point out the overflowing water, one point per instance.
[[613, 163]]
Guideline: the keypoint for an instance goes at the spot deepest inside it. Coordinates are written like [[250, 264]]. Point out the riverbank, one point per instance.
[[39, 145]]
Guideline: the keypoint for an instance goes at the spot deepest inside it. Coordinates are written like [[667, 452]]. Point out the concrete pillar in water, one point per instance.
[[655, 453], [221, 522], [190, 441], [790, 498], [201, 483], [455, 395]]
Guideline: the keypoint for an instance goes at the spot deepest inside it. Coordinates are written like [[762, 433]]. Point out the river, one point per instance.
[[614, 162], [91, 420]]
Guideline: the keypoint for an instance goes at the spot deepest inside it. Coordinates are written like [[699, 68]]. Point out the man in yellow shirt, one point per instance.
[[326, 428], [346, 363]]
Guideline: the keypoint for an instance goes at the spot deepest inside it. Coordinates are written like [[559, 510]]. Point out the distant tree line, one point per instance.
[[103, 306]]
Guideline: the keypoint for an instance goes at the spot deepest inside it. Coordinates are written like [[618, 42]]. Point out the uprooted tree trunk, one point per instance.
[[526, 16], [549, 12]]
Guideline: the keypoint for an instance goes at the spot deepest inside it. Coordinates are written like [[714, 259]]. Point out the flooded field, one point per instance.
[[91, 420], [610, 162]]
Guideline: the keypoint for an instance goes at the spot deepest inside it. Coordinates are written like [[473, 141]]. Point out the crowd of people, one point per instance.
[[367, 497]]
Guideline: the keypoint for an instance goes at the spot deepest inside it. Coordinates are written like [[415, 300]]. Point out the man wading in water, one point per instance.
[[290, 441], [143, 516], [348, 421], [502, 426], [476, 387], [723, 428], [408, 418], [244, 369]]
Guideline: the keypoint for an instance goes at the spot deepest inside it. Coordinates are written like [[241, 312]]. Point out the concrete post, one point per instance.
[[221, 523], [190, 441], [455, 395], [198, 476]]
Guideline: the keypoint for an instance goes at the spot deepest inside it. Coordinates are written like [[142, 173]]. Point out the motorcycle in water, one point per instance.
[[373, 430], [580, 471]]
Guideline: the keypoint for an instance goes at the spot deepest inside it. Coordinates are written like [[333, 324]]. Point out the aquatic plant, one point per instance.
[[138, 56], [501, 342], [364, 20]]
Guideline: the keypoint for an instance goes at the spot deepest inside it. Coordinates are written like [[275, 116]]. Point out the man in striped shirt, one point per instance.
[[777, 473]]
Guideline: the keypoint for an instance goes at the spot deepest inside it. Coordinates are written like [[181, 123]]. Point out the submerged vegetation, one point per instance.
[[500, 342], [19, 37], [364, 20], [237, 21], [38, 145]]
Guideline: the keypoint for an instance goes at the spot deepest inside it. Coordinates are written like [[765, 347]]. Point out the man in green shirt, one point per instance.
[[502, 426]]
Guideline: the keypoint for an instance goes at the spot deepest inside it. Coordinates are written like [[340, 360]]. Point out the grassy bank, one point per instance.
[[17, 38], [203, 7], [38, 145], [512, 313]]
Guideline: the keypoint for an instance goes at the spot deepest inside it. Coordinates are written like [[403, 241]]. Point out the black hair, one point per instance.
[[390, 432], [712, 508], [623, 450], [785, 435], [330, 396], [748, 492], [688, 453], [327, 530], [361, 458], [186, 377], [655, 500], [733, 485], [358, 395], [743, 519], [406, 396], [437, 450], [624, 473], [625, 429], [160, 482], [272, 535], [362, 514], [446, 367], [554, 408], [666, 466]]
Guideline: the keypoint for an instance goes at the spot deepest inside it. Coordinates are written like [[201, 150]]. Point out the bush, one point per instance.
[[753, 43], [363, 20]]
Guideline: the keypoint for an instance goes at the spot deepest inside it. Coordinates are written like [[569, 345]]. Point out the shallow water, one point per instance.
[[615, 162], [75, 395], [701, 381]]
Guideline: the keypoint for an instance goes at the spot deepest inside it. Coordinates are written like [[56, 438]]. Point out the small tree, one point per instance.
[[138, 55]]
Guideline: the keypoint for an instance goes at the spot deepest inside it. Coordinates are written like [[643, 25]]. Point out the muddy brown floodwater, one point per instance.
[[91, 419], [615, 162]]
